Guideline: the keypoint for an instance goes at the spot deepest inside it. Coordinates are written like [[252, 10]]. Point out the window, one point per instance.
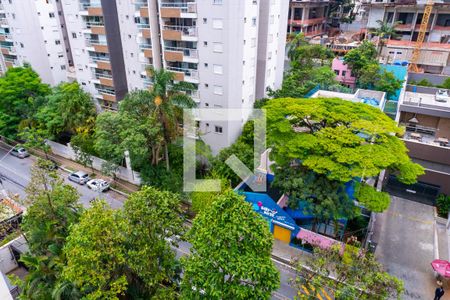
[[344, 72], [218, 129], [51, 15], [269, 55], [74, 35], [270, 38], [217, 69], [60, 55], [205, 20], [206, 65], [336, 72], [272, 19], [132, 54], [218, 2], [254, 21], [21, 45], [217, 23], [205, 43], [57, 42], [218, 90], [218, 47], [63, 67], [206, 85]]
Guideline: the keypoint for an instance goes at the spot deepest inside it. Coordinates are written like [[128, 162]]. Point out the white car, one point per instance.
[[442, 96], [98, 185]]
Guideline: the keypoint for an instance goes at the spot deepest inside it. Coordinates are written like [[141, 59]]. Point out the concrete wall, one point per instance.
[[421, 89], [437, 178], [67, 152], [7, 260], [433, 78], [430, 153]]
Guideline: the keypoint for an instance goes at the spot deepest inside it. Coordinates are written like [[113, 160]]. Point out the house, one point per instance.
[[343, 73]]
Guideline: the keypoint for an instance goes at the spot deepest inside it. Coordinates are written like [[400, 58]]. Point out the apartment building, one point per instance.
[[434, 57], [230, 51], [426, 116], [308, 16], [31, 32]]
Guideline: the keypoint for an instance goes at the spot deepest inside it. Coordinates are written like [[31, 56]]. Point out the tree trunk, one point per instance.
[[166, 154]]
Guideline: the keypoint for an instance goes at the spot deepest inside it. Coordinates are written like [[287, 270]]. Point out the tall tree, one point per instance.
[[230, 254], [357, 59], [96, 258], [21, 93], [67, 109], [339, 139], [385, 31], [169, 98], [153, 224], [376, 78], [52, 209], [348, 274]]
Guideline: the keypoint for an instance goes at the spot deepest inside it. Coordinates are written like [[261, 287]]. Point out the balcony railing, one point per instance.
[[10, 48], [84, 5], [185, 30], [95, 59], [140, 3], [92, 42], [11, 60], [145, 46], [188, 72], [90, 24], [192, 53], [143, 25], [106, 91], [102, 75], [3, 22], [185, 7]]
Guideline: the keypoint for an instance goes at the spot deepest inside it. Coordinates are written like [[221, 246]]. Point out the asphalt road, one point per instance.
[[15, 174]]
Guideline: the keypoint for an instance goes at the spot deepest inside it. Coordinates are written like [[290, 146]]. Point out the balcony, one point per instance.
[[5, 37], [91, 7], [95, 27], [183, 74], [307, 22], [8, 50], [98, 45], [178, 9], [181, 54], [140, 3], [179, 33], [143, 25], [104, 79], [100, 62], [9, 62], [4, 22], [143, 11]]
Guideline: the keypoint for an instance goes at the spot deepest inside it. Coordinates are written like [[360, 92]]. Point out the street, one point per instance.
[[405, 236], [16, 172]]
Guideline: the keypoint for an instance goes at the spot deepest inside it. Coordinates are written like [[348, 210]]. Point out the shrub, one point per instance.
[[443, 205]]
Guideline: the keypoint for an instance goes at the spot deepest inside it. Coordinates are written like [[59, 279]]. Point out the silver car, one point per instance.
[[20, 152], [98, 185], [79, 177]]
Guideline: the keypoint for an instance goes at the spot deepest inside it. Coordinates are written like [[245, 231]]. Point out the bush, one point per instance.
[[424, 82], [443, 205]]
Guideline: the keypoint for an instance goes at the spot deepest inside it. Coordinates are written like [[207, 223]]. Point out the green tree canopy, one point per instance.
[[357, 59], [340, 139], [373, 77], [352, 274], [21, 92], [230, 254]]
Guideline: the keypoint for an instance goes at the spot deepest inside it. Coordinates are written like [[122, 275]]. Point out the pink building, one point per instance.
[[343, 73]]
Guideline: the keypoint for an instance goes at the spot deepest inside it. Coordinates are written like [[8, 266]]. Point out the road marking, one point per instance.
[[326, 294]]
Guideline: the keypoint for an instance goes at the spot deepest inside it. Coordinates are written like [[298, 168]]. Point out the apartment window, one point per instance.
[[270, 38], [205, 20], [206, 85], [205, 43], [268, 72], [269, 55], [74, 35], [217, 23], [217, 69], [21, 45], [51, 15], [60, 55], [218, 90], [63, 67], [218, 129], [243, 62], [132, 54], [206, 65], [57, 42], [336, 72], [218, 2], [271, 19], [253, 21], [255, 2], [218, 47], [344, 72], [245, 20], [39, 13]]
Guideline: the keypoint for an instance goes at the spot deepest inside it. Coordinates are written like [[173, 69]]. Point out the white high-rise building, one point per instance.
[[31, 32], [231, 51]]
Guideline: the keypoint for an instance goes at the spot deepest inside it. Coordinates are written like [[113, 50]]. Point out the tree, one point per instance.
[[357, 59], [348, 274], [153, 224], [35, 138], [21, 93], [96, 258], [67, 109], [230, 254], [339, 139], [373, 77], [169, 98], [384, 32], [52, 211], [203, 200]]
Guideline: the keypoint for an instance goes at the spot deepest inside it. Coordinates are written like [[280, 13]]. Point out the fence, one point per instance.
[[124, 173]]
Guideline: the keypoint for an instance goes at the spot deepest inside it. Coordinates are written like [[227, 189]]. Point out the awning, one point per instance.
[[316, 239]]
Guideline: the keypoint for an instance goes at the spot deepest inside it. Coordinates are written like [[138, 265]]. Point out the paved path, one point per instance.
[[405, 237]]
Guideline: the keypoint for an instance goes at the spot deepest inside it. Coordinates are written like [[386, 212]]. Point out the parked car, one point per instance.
[[442, 96], [79, 177], [20, 152], [98, 185]]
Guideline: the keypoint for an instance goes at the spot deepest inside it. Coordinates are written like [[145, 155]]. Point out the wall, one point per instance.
[[67, 152], [430, 153], [433, 78], [338, 65], [7, 260], [421, 89]]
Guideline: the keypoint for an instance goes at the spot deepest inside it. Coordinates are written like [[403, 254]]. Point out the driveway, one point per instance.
[[405, 237]]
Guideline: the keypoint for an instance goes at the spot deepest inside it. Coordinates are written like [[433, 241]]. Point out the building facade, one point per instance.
[[31, 32], [230, 51], [308, 16]]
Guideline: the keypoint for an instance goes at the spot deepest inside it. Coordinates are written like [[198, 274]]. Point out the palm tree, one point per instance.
[[295, 41], [169, 98], [385, 32]]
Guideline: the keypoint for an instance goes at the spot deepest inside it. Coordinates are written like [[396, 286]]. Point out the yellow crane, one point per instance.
[[421, 37]]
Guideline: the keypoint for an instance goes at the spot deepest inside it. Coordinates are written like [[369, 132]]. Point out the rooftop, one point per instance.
[[424, 100], [374, 98]]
